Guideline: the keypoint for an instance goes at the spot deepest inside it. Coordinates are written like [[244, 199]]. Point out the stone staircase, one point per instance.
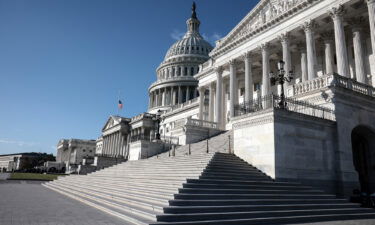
[[213, 188], [218, 143]]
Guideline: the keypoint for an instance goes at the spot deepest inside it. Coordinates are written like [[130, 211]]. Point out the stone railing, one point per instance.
[[196, 123], [141, 116], [331, 80], [177, 78], [289, 104], [353, 85]]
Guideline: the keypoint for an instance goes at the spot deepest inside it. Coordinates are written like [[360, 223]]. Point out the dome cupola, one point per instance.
[[192, 42]]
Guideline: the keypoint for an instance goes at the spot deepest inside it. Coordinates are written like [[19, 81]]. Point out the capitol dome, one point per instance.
[[191, 43], [175, 76]]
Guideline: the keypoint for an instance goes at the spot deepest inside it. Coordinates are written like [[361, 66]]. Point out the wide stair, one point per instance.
[[214, 188]]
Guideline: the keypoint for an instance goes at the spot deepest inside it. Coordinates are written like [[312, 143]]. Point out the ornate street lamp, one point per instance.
[[280, 78], [158, 116]]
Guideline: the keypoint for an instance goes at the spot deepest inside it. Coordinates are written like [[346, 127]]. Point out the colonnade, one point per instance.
[[114, 144], [172, 95], [308, 59], [177, 71]]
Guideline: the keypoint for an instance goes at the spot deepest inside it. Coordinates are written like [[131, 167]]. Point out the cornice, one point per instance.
[[231, 41]]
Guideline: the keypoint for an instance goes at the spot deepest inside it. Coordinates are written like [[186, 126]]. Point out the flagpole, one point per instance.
[[118, 108]]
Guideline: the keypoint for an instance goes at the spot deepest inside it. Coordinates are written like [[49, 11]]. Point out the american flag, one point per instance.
[[120, 104]]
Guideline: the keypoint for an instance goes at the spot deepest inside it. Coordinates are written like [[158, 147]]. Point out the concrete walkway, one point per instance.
[[4, 176], [29, 203]]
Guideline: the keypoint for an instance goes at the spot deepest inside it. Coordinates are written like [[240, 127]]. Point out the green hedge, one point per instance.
[[32, 176]]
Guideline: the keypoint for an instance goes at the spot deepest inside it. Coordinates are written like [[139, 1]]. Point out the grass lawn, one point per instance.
[[32, 176]]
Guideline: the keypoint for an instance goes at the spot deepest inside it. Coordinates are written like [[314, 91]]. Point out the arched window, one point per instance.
[[192, 71], [186, 70]]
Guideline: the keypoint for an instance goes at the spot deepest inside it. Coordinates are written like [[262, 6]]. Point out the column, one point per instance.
[[116, 144], [201, 102], [179, 95], [232, 86], [304, 75], [175, 71], [104, 145], [187, 94], [308, 28], [150, 98], [341, 52], [219, 95], [165, 97], [371, 16], [194, 93], [328, 52], [211, 103], [249, 85], [157, 98], [174, 96], [171, 96], [266, 87], [358, 50], [284, 39]]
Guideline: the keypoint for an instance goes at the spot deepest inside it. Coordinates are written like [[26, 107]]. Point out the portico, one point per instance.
[[311, 46]]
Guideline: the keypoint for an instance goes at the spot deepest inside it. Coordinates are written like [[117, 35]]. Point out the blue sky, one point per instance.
[[63, 62]]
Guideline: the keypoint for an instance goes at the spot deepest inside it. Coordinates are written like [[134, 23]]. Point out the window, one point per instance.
[[257, 87], [192, 71], [186, 69], [90, 150], [242, 91], [84, 150]]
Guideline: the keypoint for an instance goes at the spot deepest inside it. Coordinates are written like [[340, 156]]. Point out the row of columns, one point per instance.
[[308, 61], [175, 71], [114, 144], [171, 95]]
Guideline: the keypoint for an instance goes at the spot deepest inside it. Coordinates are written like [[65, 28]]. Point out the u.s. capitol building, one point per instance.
[[289, 90]]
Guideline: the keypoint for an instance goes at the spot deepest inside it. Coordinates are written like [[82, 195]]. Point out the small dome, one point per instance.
[[191, 43]]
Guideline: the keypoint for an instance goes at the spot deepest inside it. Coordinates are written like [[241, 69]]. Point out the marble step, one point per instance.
[[234, 174], [172, 183], [129, 213], [246, 191], [276, 220], [190, 196], [124, 192], [239, 182], [239, 178], [252, 186], [265, 201], [260, 214], [157, 170], [146, 203], [143, 187], [252, 208]]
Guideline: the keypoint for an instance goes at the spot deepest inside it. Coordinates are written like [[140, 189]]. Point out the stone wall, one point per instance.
[[289, 146]]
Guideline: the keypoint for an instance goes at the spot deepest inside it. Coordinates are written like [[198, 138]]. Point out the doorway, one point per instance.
[[363, 147]]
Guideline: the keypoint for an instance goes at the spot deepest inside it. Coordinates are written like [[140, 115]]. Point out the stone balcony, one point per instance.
[[330, 80]]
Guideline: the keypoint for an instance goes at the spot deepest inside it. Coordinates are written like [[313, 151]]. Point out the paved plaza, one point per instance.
[[29, 203]]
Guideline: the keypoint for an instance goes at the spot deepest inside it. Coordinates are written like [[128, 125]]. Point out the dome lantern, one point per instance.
[[193, 23]]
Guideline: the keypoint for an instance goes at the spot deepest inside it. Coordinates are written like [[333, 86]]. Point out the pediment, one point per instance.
[[111, 122], [262, 14]]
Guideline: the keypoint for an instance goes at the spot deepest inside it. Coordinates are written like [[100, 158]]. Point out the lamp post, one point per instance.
[[158, 115], [280, 78]]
